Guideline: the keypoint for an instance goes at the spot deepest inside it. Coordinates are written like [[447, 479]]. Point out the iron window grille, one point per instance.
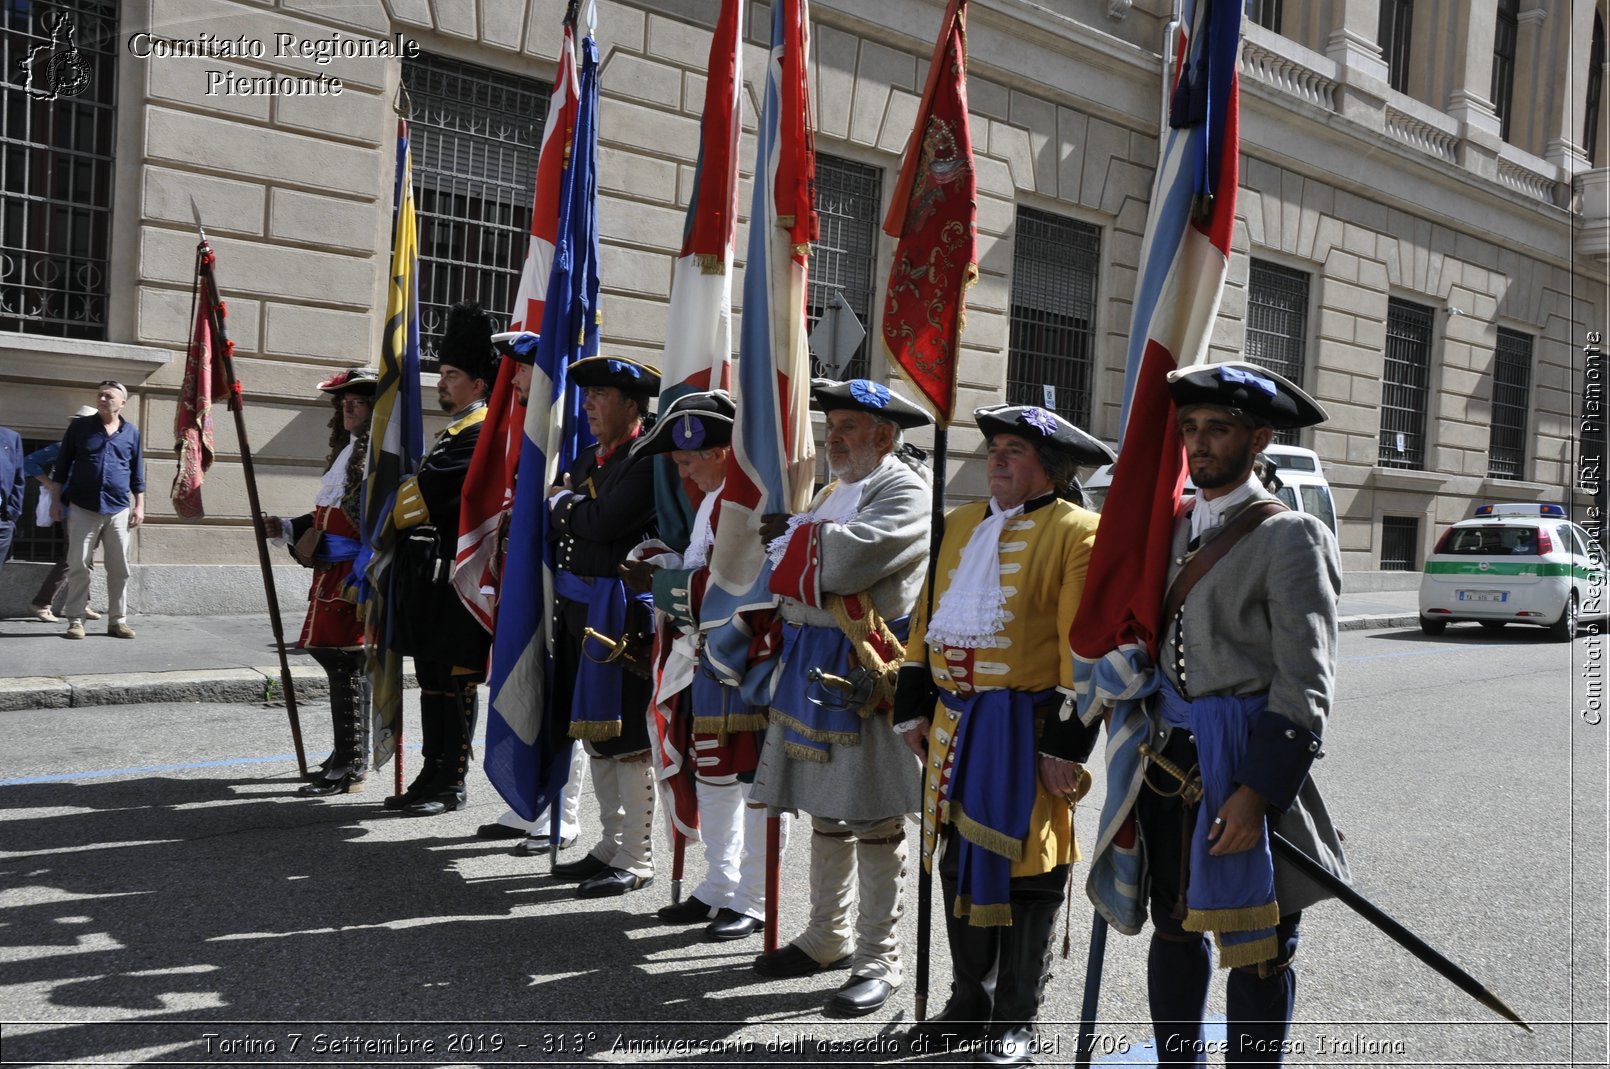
[[1512, 381], [1053, 325], [1405, 385], [844, 257], [475, 133], [1277, 324], [58, 126], [1400, 543], [1504, 37], [1393, 35]]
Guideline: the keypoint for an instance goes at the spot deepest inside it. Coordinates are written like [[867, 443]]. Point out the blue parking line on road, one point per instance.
[[1215, 1036]]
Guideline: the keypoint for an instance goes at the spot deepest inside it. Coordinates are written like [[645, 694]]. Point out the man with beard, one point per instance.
[[602, 507], [1248, 663], [849, 570], [448, 646]]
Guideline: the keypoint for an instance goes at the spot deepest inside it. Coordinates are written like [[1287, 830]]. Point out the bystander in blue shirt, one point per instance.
[[97, 471]]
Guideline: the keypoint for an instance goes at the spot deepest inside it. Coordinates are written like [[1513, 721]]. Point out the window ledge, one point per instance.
[[1493, 488], [1429, 482], [74, 361]]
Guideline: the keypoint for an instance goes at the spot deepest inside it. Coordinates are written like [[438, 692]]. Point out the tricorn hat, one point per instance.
[[864, 395], [518, 345], [1043, 427], [1258, 393], [693, 421], [467, 341], [627, 376], [363, 380]]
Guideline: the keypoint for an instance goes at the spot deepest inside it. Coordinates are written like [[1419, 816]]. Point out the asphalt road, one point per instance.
[[164, 899]]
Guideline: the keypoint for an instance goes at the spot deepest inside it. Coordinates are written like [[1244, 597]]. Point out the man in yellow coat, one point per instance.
[[984, 699]]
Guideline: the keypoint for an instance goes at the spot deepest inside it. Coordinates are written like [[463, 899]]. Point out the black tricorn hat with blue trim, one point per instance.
[[864, 395], [693, 421], [1043, 427], [518, 345], [1256, 392], [627, 376]]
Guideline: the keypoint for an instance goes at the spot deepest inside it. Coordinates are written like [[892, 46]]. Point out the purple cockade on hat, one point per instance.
[[623, 366], [1040, 420], [526, 345], [1243, 377], [688, 433], [871, 394]]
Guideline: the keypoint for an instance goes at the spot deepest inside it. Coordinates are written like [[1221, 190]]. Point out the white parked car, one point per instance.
[[1513, 564]]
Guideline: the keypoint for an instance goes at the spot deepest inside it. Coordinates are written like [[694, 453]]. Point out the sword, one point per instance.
[[1377, 916], [853, 691]]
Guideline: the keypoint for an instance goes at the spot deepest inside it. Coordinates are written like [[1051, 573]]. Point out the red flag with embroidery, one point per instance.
[[934, 214], [203, 381]]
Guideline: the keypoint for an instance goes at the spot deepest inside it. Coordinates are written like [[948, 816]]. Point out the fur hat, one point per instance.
[[467, 341]]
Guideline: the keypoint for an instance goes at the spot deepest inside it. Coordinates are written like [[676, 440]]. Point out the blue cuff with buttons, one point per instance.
[[1278, 756]]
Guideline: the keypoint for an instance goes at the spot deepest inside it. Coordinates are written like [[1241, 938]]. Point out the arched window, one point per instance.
[[1591, 112]]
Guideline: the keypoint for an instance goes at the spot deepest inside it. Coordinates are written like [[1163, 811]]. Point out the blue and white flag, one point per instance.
[[527, 751]]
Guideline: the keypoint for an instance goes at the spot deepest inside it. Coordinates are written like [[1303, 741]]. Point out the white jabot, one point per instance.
[[842, 503], [1207, 515], [703, 536], [333, 487], [973, 608]]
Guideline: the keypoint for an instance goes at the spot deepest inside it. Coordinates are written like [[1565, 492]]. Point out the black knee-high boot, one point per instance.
[[458, 715], [1259, 1001], [973, 954], [349, 713], [1025, 966], [431, 722]]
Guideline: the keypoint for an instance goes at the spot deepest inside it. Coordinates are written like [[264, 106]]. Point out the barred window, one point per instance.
[[1392, 34], [1053, 328], [57, 130], [1512, 382], [475, 133], [844, 258], [1400, 543], [1504, 35], [1277, 324], [1265, 13], [1405, 385]]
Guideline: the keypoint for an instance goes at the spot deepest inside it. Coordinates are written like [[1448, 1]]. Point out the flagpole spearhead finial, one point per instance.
[[195, 213]]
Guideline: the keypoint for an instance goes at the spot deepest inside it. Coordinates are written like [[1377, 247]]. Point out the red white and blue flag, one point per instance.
[[1183, 260], [698, 334], [489, 483], [772, 465], [527, 759]]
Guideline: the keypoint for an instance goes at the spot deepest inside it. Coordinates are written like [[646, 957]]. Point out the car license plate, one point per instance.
[[1484, 595]]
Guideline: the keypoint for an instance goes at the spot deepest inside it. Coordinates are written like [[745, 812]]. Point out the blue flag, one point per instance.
[[527, 752]]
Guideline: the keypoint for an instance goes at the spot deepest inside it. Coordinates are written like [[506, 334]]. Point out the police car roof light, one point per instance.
[[1515, 509]]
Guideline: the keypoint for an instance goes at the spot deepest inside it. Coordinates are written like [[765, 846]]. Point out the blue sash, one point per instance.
[[1232, 896], [597, 704], [993, 784], [335, 549], [810, 730]]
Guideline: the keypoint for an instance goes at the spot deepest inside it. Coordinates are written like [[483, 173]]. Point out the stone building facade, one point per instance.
[[1423, 233]]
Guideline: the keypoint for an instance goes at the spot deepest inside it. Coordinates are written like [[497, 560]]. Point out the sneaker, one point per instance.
[[120, 630], [42, 612], [91, 614], [75, 629]]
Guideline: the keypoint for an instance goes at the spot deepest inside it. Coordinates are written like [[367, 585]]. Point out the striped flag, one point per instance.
[[396, 442], [489, 484], [698, 335], [1183, 260], [772, 465], [527, 760], [934, 214]]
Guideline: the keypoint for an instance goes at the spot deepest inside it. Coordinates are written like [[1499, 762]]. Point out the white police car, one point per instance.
[[1513, 564]]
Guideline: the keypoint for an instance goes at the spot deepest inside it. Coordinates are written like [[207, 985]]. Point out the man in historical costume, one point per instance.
[[602, 507], [985, 698], [849, 570], [101, 472], [707, 733], [520, 346], [327, 541], [1248, 666], [432, 625]]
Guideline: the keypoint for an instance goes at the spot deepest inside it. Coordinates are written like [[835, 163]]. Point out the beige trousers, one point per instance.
[[84, 530]]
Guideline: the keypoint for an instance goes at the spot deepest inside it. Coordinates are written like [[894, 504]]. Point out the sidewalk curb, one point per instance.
[[1382, 621]]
